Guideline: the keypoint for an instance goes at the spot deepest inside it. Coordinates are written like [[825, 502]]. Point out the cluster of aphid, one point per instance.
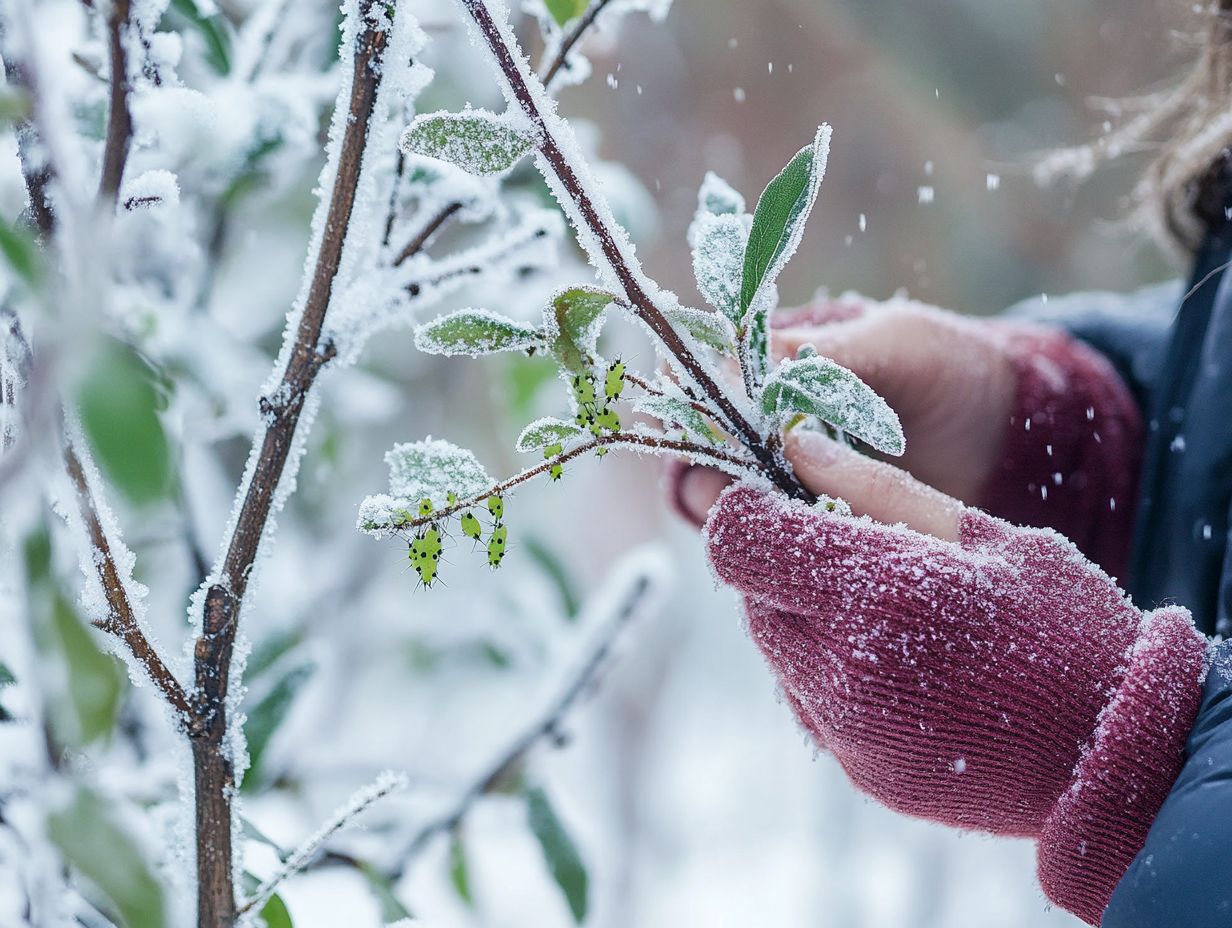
[[591, 414], [426, 546]]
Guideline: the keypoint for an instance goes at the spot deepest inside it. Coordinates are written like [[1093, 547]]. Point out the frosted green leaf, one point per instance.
[[459, 869], [816, 386], [718, 261], [432, 469], [671, 411], [778, 226], [477, 141], [561, 854], [543, 433], [93, 842], [712, 329], [565, 10], [575, 316], [474, 332], [265, 717], [717, 197]]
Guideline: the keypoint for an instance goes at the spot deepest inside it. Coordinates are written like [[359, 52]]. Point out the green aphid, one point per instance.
[[586, 416], [432, 542], [424, 559], [451, 499], [607, 419], [471, 527], [614, 380], [496, 546], [496, 506], [556, 471], [601, 452], [595, 429], [584, 388], [425, 507]]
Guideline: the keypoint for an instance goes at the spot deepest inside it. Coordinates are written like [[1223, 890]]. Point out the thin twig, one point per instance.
[[122, 622], [654, 443], [650, 390], [303, 855], [119, 117], [571, 39], [431, 227], [512, 68], [215, 647]]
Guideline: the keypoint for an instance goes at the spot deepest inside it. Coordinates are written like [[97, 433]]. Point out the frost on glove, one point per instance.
[[1001, 683]]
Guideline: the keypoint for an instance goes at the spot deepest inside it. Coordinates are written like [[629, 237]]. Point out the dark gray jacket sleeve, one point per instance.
[[1130, 329]]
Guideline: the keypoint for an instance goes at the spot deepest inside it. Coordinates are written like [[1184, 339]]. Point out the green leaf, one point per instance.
[[459, 871], [564, 10], [671, 411], [118, 402], [716, 197], [474, 332], [391, 906], [524, 378], [554, 567], [270, 650], [265, 717], [778, 226], [545, 432], [477, 141], [816, 386], [718, 260], [95, 844], [6, 675], [713, 329], [575, 317], [21, 253], [275, 914], [559, 851], [95, 682], [214, 30]]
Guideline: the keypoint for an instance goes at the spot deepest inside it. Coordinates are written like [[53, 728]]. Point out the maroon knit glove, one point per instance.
[[1001, 683], [1073, 446]]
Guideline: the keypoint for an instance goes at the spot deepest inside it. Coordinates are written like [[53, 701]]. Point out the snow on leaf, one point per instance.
[[718, 259], [548, 431], [817, 386], [717, 197], [477, 141], [576, 317], [430, 469], [711, 329], [474, 332], [671, 411], [778, 226]]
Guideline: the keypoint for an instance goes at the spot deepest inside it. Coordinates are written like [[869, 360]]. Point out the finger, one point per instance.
[[872, 488], [694, 489]]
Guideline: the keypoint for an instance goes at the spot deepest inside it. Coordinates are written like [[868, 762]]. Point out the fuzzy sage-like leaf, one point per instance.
[[778, 226], [671, 411], [543, 433], [575, 317], [477, 141], [559, 851], [816, 386], [474, 332]]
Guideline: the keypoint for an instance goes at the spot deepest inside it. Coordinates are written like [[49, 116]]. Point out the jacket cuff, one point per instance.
[[1073, 446], [1127, 770]]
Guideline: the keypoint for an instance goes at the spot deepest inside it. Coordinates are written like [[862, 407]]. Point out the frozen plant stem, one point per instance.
[[119, 117], [772, 464], [212, 767], [575, 35]]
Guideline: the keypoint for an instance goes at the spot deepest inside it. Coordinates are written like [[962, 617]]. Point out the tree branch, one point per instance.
[[561, 59], [122, 622], [513, 70], [215, 647], [119, 117], [654, 443]]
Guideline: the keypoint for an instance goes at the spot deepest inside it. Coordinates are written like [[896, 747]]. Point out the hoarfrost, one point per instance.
[[547, 431], [430, 469], [718, 260]]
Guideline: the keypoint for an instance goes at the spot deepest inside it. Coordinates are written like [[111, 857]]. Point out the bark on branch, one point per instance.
[[215, 780]]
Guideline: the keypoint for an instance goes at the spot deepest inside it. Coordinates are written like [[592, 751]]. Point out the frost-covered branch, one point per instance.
[[122, 620], [119, 116], [607, 242], [570, 40], [302, 857], [306, 353]]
